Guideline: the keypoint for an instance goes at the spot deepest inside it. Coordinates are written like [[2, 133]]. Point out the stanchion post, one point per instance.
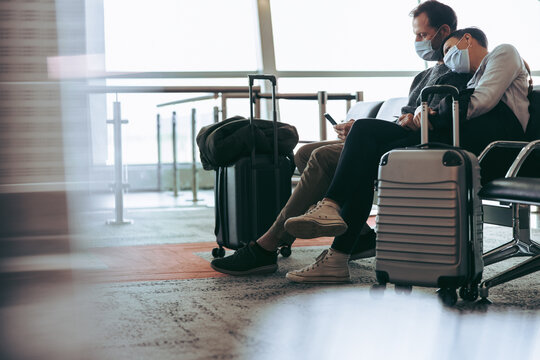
[[322, 98], [216, 114], [175, 170], [194, 182], [158, 128], [223, 106], [118, 178]]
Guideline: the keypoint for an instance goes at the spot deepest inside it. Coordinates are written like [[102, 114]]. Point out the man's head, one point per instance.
[[432, 22], [464, 49]]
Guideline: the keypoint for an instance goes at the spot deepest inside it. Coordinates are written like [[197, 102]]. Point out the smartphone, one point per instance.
[[330, 118]]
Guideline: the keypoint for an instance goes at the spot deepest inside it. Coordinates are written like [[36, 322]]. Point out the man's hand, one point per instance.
[[343, 129]]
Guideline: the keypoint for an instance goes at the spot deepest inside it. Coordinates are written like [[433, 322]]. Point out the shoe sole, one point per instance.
[[363, 254], [318, 279], [309, 229], [267, 269]]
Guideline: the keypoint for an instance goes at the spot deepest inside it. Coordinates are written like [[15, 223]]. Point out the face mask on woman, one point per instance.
[[458, 60], [425, 50]]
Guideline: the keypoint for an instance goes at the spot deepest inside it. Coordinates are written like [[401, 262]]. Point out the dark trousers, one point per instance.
[[353, 184]]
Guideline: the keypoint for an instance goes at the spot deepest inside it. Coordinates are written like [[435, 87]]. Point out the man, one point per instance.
[[432, 22]]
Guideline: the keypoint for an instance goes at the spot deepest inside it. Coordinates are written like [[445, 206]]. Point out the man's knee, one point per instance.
[[303, 154], [325, 158], [301, 157]]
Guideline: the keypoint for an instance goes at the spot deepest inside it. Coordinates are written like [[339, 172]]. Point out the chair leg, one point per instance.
[[521, 244], [513, 248], [525, 268]]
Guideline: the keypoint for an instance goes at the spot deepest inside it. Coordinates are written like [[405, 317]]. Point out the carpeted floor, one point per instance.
[[190, 312]]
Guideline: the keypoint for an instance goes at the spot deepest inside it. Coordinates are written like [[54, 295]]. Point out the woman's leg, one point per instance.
[[352, 188], [498, 124], [356, 170], [353, 184]]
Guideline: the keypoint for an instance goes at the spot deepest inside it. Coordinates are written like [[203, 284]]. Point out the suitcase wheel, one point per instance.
[[447, 296], [469, 292], [382, 277], [403, 289], [285, 251], [377, 291], [218, 252]]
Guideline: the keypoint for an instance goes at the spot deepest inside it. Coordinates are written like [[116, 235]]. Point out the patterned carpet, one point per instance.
[[162, 301]]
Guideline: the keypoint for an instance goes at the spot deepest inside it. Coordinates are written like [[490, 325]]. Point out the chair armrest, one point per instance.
[[503, 144], [522, 156]]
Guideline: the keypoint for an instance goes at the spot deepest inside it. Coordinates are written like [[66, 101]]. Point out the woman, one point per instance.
[[496, 108]]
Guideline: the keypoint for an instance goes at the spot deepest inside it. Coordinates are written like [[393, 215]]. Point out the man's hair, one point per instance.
[[475, 32], [437, 13]]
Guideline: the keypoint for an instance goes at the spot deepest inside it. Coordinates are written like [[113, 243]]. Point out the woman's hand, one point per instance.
[[412, 122], [406, 120], [418, 119]]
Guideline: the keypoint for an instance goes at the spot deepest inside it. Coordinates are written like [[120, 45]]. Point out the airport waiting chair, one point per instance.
[[516, 191], [514, 214], [363, 109]]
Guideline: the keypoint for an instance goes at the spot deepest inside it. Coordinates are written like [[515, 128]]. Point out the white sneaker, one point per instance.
[[330, 267], [321, 220]]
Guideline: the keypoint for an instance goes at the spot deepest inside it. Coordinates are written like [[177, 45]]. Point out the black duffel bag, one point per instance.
[[224, 143]]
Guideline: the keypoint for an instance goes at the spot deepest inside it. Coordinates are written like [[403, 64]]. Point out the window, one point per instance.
[[140, 134], [180, 35], [511, 22], [344, 35], [309, 35], [305, 114]]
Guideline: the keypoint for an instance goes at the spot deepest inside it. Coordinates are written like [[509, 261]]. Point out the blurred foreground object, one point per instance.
[[44, 157]]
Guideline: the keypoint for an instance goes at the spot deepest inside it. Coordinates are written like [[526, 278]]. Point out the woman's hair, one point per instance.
[[476, 33], [437, 13]]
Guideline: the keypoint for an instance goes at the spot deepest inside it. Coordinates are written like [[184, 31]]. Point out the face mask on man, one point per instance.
[[425, 50], [458, 60]]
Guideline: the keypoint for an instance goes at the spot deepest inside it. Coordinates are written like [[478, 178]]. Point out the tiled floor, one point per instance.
[[154, 199]]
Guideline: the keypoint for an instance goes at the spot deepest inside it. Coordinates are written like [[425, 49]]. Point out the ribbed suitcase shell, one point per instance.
[[423, 235], [233, 203]]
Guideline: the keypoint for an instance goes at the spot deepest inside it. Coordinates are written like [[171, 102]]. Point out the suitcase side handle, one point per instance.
[[439, 89]]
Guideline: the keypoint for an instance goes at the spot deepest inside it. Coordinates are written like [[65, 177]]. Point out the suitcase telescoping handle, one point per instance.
[[452, 90], [439, 89], [273, 80]]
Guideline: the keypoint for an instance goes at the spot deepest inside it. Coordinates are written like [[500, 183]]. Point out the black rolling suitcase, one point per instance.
[[250, 193], [429, 221]]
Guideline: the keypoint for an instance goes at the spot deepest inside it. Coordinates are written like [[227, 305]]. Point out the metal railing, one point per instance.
[[117, 122], [322, 98], [225, 92]]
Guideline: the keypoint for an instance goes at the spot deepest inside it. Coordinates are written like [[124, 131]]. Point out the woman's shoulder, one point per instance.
[[504, 56], [505, 49]]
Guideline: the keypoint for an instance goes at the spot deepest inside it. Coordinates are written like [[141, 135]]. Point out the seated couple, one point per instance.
[[495, 107]]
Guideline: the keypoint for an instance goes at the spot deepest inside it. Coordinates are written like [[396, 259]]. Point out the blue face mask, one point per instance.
[[458, 60], [425, 50]]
